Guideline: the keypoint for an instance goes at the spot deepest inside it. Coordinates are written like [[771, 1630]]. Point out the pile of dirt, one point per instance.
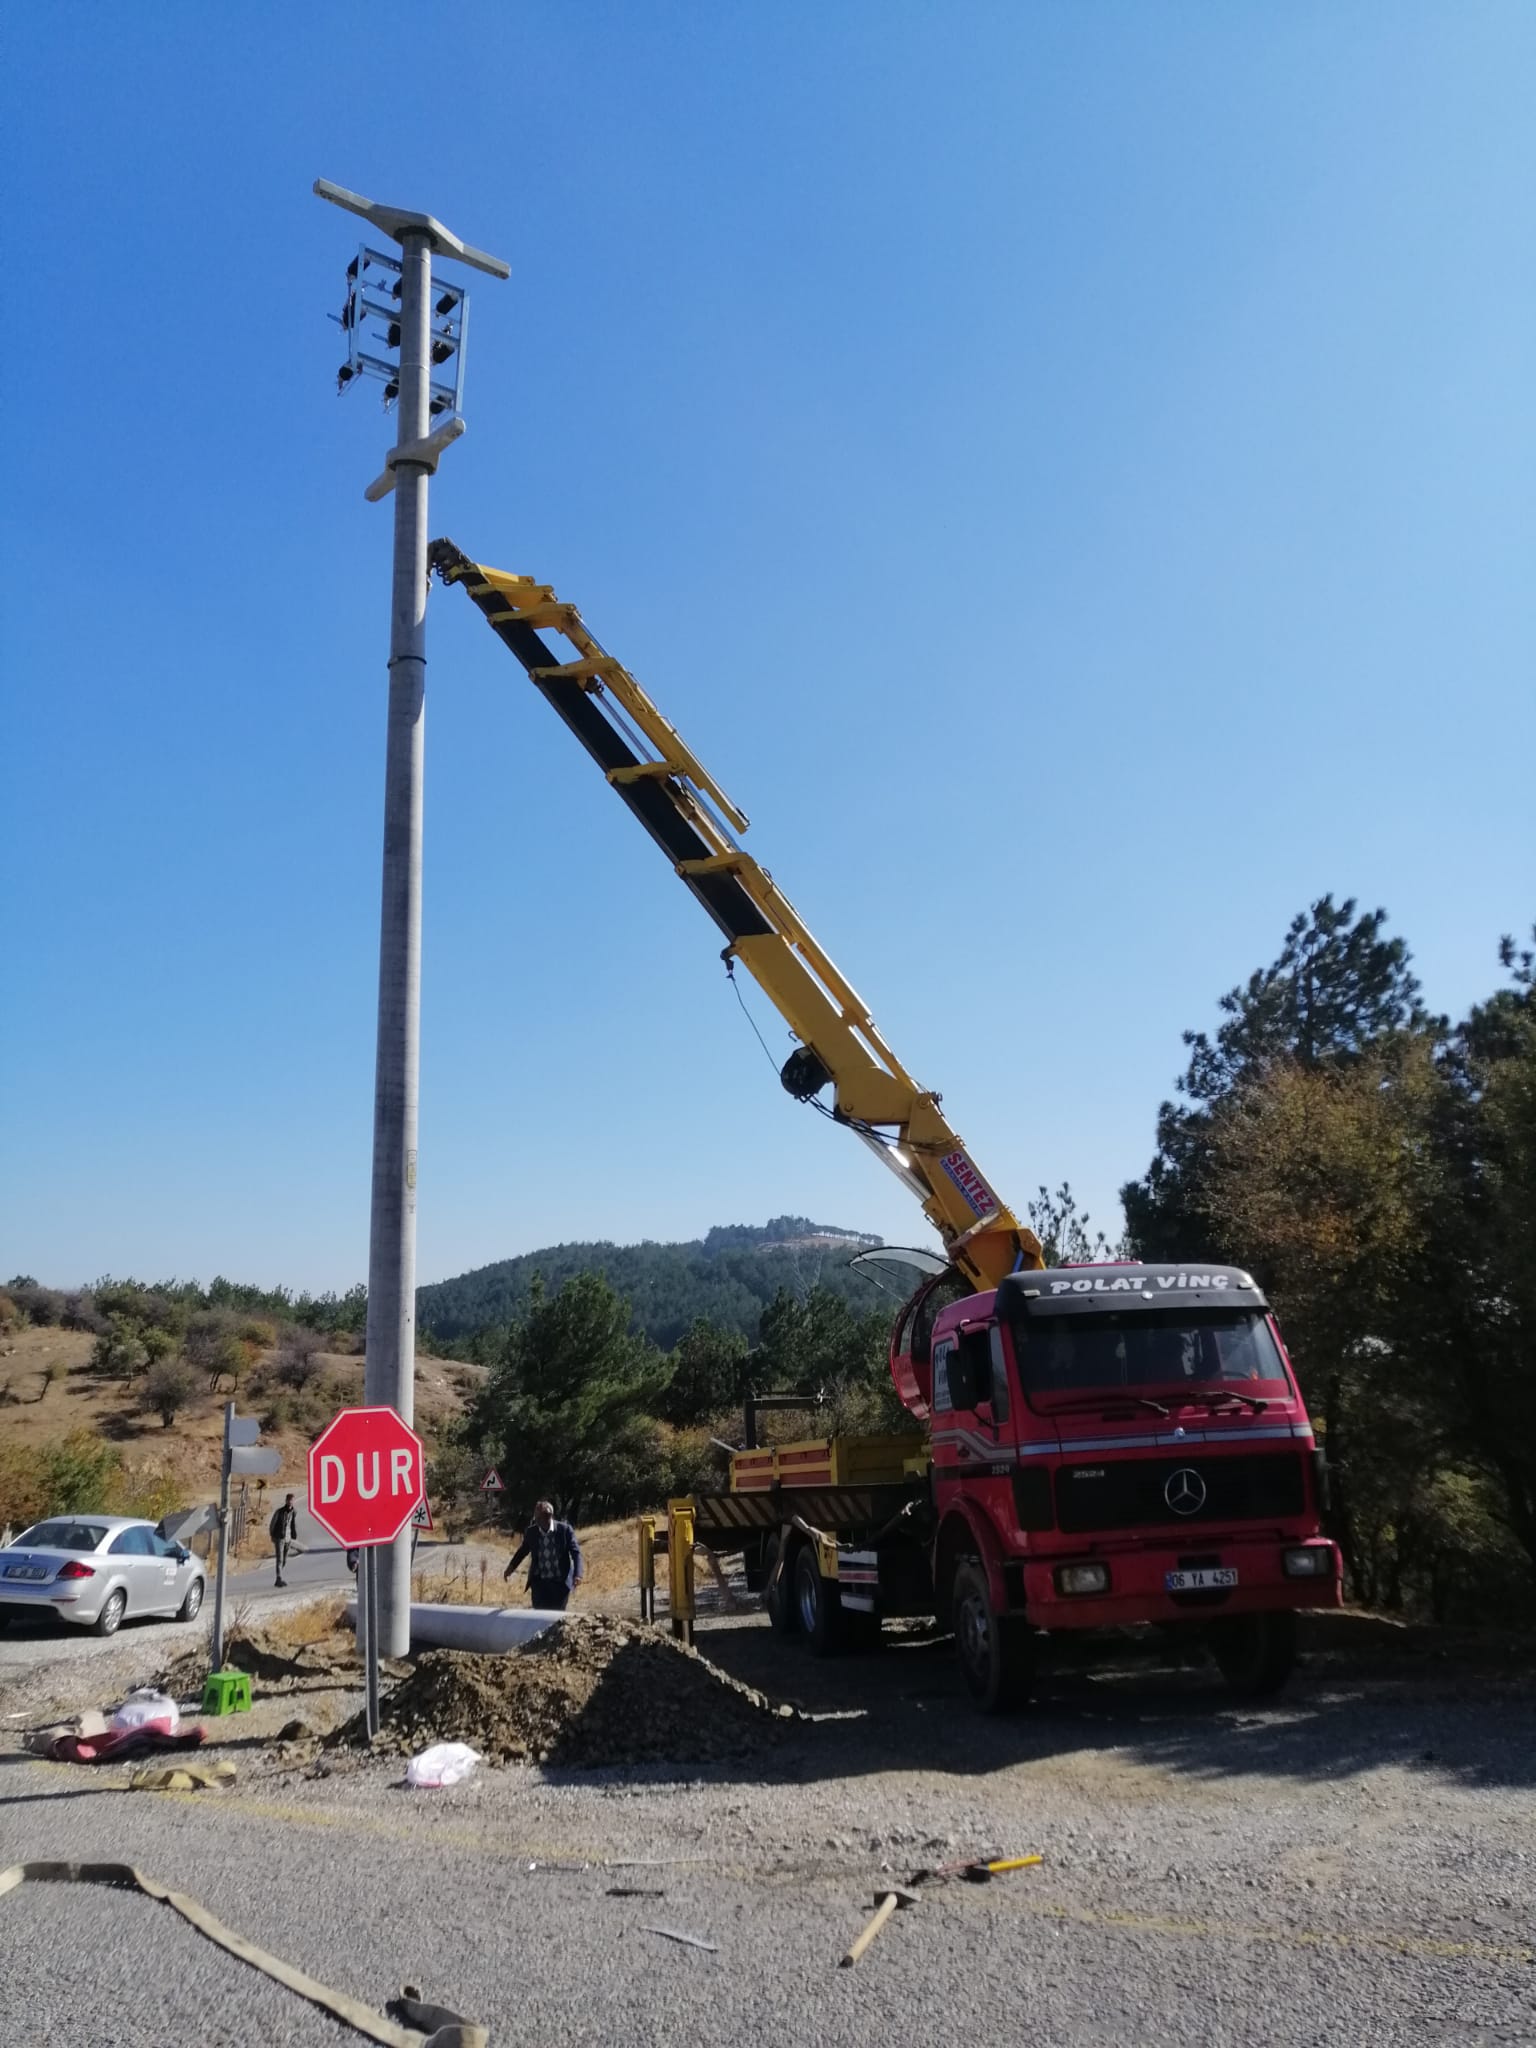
[[589, 1691]]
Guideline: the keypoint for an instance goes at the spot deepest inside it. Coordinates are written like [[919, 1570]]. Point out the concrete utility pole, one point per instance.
[[390, 1370]]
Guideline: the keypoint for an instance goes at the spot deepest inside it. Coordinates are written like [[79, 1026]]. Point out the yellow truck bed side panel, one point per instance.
[[826, 1461]]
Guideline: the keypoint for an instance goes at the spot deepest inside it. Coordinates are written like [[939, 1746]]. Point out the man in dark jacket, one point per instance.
[[283, 1528], [556, 1567]]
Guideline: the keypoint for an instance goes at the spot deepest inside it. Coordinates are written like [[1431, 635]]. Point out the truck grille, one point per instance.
[[1133, 1492]]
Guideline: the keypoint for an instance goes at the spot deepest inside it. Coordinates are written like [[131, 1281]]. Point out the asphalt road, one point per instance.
[[1354, 1866], [319, 1561]]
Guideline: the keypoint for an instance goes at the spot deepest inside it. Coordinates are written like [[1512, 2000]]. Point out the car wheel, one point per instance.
[[818, 1606], [1256, 1653], [995, 1650], [106, 1622], [187, 1611]]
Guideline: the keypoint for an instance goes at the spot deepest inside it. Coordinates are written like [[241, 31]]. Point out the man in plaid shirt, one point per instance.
[[556, 1555]]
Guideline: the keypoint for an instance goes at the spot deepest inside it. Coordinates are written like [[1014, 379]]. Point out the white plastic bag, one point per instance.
[[445, 1763], [147, 1708]]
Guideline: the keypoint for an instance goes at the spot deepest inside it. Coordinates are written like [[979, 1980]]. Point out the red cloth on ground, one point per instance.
[[122, 1742]]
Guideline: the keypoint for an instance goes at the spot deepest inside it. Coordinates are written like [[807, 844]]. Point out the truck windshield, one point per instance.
[[1202, 1350]]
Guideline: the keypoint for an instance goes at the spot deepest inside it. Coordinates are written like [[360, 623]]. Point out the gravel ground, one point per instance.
[[43, 1665], [195, 1993], [1355, 1866]]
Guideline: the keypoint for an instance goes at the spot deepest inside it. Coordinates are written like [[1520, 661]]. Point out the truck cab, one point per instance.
[[1116, 1444]]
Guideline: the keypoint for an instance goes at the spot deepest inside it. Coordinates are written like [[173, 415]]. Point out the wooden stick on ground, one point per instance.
[[888, 1901]]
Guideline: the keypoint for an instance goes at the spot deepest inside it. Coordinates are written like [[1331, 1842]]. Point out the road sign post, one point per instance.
[[241, 1453], [365, 1640], [368, 1593], [367, 1476], [218, 1584]]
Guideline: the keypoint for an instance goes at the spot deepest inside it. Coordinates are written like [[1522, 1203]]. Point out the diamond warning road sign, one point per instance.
[[422, 1519], [491, 1483]]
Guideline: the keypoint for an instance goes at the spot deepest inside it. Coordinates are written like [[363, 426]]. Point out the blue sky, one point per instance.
[[1070, 471]]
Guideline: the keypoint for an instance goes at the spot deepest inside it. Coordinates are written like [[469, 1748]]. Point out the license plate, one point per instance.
[[1204, 1580], [26, 1571]]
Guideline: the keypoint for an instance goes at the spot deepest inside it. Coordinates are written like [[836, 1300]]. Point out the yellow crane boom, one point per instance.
[[696, 825]]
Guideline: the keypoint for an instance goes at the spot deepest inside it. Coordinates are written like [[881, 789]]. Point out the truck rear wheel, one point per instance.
[[995, 1650], [779, 1589], [1256, 1653], [818, 1606]]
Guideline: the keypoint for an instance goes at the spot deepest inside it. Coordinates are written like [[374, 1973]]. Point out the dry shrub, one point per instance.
[[319, 1622], [610, 1552], [143, 1490], [71, 1475], [461, 1582]]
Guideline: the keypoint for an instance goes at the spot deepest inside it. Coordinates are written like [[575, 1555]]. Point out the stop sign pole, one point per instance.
[[367, 1477]]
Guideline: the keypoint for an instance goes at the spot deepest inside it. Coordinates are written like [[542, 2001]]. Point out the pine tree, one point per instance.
[[1338, 990], [567, 1412]]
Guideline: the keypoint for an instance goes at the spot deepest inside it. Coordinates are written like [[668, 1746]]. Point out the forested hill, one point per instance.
[[730, 1275]]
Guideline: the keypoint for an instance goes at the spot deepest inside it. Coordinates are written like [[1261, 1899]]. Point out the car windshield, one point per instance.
[[61, 1535], [1201, 1350]]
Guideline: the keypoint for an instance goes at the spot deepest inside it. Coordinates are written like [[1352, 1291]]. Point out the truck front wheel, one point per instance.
[[995, 1650], [818, 1606], [1256, 1653]]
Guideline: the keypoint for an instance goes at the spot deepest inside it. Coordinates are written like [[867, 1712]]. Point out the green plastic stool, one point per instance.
[[227, 1692]]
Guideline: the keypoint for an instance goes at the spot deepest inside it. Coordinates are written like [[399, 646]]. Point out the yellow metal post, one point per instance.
[[680, 1567]]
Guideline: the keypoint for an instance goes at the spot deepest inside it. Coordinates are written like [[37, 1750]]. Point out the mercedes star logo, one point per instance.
[[1185, 1491]]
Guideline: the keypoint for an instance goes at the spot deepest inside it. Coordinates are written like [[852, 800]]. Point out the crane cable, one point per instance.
[[730, 975], [847, 1123]]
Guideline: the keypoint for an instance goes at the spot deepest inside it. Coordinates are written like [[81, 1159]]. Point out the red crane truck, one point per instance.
[[1104, 1445]]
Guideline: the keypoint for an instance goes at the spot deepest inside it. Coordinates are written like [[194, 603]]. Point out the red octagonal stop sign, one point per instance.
[[366, 1474]]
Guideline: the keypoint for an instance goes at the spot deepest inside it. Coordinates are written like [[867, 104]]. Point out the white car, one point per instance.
[[93, 1570]]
